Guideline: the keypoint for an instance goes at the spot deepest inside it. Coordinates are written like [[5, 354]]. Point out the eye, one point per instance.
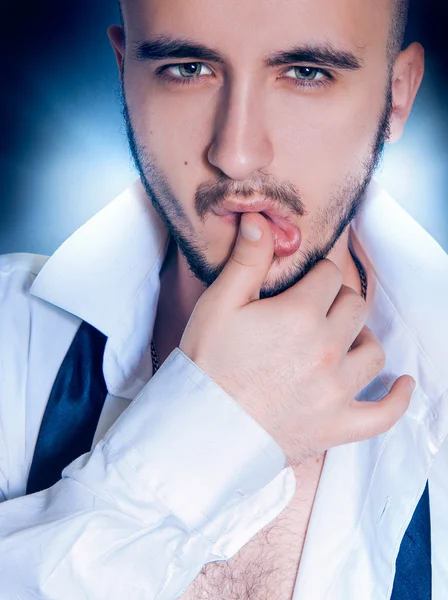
[[187, 70], [307, 73]]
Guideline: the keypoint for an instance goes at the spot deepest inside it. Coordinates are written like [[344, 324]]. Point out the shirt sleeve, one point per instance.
[[184, 476]]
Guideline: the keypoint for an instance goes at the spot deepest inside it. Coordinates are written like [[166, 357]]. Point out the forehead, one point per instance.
[[251, 27]]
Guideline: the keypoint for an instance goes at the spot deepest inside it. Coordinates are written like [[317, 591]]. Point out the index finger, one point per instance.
[[318, 288]]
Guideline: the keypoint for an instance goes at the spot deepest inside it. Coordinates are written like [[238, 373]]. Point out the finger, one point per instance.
[[317, 289], [363, 362], [347, 317], [369, 419], [242, 277], [365, 336]]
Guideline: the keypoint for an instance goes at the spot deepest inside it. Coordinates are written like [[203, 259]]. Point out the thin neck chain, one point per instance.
[[362, 276], [155, 358]]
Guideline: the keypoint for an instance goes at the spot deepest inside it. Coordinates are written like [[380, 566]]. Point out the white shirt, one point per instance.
[[185, 476]]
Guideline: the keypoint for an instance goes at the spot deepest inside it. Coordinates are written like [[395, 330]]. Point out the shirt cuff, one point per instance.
[[186, 440]]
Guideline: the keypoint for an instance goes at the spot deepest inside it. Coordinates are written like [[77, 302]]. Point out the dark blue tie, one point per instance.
[[70, 422], [73, 409], [413, 567]]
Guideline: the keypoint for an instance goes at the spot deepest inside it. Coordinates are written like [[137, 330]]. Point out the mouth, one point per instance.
[[286, 234]]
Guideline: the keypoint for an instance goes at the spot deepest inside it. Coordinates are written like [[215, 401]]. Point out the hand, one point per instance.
[[287, 360]]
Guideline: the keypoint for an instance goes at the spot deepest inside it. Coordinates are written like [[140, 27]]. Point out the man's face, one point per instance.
[[305, 133]]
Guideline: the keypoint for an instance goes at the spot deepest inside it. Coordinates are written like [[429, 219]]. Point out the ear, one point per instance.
[[406, 79], [116, 38]]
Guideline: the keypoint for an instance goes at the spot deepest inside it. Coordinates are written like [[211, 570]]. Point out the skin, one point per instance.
[[241, 123]]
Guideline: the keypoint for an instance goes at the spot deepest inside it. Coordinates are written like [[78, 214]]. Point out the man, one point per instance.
[[280, 110]]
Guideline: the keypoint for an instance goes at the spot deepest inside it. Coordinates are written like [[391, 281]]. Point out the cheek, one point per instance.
[[319, 140], [175, 127]]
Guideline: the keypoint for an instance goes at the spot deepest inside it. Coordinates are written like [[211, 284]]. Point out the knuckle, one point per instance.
[[350, 293], [331, 267], [329, 357], [379, 358], [240, 259]]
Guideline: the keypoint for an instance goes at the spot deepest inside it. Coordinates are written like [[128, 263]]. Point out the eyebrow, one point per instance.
[[165, 47], [322, 55]]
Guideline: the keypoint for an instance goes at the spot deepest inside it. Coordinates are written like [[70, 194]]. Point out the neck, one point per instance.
[[180, 291]]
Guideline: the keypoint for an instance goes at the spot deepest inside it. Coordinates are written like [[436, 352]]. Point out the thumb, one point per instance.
[[375, 418], [250, 261]]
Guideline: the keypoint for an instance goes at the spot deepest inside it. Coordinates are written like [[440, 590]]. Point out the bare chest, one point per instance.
[[266, 567]]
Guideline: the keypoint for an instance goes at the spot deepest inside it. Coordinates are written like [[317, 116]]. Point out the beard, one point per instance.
[[327, 225]]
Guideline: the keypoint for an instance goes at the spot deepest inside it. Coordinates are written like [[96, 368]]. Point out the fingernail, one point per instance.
[[250, 230], [412, 385]]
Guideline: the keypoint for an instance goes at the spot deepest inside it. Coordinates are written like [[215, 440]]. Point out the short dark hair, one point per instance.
[[400, 11]]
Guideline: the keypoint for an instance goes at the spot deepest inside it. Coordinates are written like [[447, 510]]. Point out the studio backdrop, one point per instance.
[[64, 153]]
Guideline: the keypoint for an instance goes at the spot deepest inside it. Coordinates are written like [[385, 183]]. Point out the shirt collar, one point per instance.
[[107, 273], [409, 281]]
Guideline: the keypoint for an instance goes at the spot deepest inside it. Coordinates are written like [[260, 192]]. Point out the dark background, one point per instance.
[[64, 154]]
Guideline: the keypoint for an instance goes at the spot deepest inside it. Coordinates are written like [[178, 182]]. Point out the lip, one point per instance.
[[257, 205], [286, 234]]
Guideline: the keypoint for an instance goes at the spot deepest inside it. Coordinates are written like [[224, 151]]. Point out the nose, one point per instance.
[[241, 145]]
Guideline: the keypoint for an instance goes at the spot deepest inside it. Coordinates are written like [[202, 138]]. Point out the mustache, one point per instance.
[[213, 194]]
